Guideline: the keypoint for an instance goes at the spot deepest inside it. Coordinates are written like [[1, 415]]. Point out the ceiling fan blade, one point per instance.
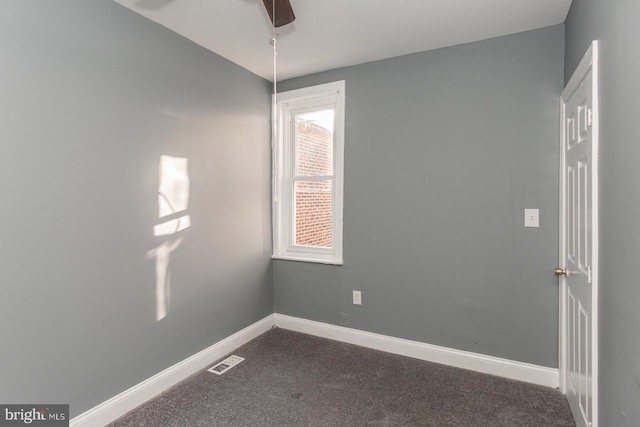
[[284, 12]]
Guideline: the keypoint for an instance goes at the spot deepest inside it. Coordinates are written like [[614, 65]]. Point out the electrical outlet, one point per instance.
[[344, 318], [357, 297]]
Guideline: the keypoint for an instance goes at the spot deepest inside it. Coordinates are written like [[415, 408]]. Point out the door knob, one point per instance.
[[560, 271]]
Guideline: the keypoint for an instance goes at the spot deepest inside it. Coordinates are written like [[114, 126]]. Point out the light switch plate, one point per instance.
[[532, 217], [357, 297]]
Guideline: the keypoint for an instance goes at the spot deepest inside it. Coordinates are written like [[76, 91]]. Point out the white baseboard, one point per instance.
[[119, 405], [506, 368]]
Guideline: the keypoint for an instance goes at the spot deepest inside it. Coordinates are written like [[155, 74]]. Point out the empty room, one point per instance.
[[298, 212]]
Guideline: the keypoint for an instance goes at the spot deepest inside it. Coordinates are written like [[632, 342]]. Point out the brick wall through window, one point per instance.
[[313, 198]]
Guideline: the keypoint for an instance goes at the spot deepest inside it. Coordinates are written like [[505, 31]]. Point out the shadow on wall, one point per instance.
[[173, 202]]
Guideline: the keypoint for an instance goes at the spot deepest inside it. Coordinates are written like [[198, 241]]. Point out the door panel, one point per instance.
[[579, 227], [577, 261]]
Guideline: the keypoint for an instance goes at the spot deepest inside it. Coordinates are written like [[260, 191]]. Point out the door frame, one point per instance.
[[588, 63]]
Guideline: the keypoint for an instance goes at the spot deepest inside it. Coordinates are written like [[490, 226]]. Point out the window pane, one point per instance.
[[314, 213], [314, 143]]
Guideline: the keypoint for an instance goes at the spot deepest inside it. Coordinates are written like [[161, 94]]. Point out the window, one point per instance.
[[308, 174]]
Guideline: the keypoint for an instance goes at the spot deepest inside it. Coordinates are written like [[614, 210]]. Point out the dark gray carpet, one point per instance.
[[293, 379]]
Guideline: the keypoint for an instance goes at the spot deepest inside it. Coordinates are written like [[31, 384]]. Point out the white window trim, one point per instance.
[[282, 169]]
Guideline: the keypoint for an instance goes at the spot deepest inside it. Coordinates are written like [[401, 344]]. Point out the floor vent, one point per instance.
[[228, 363]]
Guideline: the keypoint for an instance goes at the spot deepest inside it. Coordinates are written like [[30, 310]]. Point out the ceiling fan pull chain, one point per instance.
[[274, 108], [274, 40]]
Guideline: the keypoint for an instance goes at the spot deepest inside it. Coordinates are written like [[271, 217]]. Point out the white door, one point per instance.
[[578, 269]]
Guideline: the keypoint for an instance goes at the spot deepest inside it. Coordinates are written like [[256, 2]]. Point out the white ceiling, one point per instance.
[[330, 34]]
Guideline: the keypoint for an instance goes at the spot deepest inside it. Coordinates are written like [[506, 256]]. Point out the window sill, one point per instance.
[[307, 259]]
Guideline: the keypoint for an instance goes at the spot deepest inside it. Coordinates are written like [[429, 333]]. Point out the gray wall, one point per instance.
[[616, 24], [444, 150], [91, 95]]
